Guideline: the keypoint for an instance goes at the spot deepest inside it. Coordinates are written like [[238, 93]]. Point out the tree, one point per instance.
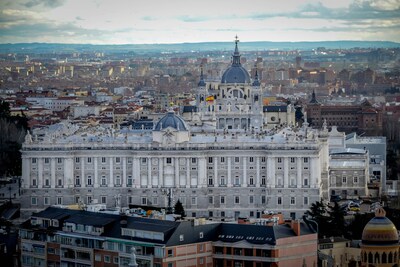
[[336, 220], [4, 109], [178, 209], [318, 213]]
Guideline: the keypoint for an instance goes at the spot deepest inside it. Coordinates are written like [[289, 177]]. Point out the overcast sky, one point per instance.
[[177, 21]]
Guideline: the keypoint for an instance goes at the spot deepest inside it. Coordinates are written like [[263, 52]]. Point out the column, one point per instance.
[[229, 183], [299, 172], [111, 181], [312, 173], [160, 172], [69, 171], [136, 172], [216, 182], [25, 179], [53, 179], [124, 180], [257, 171], [201, 179], [83, 179], [188, 172], [96, 172], [286, 172], [40, 172], [271, 177], [149, 176], [176, 161], [244, 181]]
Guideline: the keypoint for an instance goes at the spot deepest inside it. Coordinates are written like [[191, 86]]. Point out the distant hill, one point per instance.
[[187, 47]]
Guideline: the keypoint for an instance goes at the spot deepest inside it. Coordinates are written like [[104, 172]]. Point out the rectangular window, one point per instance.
[[129, 181], [89, 199], [77, 160], [169, 160], [144, 200], [89, 180], [237, 159], [355, 179], [210, 160], [103, 200], [237, 200], [129, 160], [210, 200], [46, 200], [292, 160], [34, 201], [103, 160], [144, 160], [251, 181], [194, 201], [103, 180], [89, 160], [262, 159], [210, 181], [155, 200], [194, 160], [305, 201], [181, 237], [279, 160], [251, 199], [222, 199], [263, 199], [305, 160], [344, 179], [117, 160], [251, 159], [292, 200], [107, 259], [279, 201], [46, 160], [305, 182], [222, 180], [60, 182], [263, 180], [33, 161], [59, 200], [77, 180], [222, 159], [118, 180], [59, 160]]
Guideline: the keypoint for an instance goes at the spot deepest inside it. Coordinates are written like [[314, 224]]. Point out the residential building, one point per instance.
[[60, 237]]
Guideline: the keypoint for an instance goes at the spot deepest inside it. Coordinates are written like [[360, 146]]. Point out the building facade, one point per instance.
[[228, 159], [59, 237]]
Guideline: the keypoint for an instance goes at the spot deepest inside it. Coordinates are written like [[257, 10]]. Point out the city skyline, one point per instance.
[[134, 22]]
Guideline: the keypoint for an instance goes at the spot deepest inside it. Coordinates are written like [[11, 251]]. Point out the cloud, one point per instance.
[[44, 3]]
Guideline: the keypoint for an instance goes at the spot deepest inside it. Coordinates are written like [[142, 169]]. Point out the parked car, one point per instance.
[[335, 198]]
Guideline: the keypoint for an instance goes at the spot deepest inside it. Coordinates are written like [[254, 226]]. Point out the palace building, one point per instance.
[[228, 156]]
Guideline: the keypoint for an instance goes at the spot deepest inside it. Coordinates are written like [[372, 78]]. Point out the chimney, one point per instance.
[[295, 225]]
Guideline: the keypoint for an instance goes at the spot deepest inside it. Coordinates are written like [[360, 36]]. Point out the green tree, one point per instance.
[[4, 109], [318, 213], [178, 209], [336, 221]]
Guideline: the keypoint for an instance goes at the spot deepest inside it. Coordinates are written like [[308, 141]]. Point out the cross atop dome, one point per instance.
[[236, 39]]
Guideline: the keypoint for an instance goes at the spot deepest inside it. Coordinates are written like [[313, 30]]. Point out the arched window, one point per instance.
[[384, 257], [365, 257], [370, 258], [395, 257], [390, 259], [377, 260]]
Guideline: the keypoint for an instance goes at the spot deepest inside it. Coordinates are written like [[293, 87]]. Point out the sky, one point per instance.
[[188, 21]]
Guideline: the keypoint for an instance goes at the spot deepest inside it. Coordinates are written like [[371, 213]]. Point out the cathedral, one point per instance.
[[226, 157]]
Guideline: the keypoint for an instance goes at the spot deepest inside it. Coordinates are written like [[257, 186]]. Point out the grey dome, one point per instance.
[[171, 120], [236, 73]]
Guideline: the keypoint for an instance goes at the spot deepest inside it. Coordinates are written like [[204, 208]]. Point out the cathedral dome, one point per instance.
[[380, 230], [236, 73], [171, 120]]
